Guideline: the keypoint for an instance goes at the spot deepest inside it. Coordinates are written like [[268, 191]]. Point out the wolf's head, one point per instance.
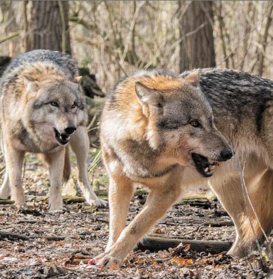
[[180, 120], [56, 107]]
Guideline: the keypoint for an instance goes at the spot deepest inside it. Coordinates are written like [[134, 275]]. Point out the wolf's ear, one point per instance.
[[148, 95], [31, 86], [77, 79], [193, 79]]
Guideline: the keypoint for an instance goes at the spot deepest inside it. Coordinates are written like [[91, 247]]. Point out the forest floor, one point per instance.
[[39, 244]]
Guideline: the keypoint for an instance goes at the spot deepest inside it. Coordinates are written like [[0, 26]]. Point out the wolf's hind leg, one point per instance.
[[5, 188], [14, 163], [261, 196], [121, 190], [260, 191], [80, 145]]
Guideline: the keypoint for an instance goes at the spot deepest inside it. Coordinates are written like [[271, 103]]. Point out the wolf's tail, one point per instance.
[[67, 165], [261, 198]]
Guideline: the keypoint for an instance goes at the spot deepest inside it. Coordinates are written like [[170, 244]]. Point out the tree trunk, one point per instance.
[[48, 27], [11, 26], [196, 32]]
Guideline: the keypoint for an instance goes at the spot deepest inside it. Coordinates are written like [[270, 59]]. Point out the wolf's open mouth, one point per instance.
[[203, 165], [61, 138]]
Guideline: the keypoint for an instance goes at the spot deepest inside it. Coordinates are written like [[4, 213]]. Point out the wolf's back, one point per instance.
[[63, 61]]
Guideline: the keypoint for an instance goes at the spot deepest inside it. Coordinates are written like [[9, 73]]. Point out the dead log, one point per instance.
[[15, 236], [6, 202], [156, 244], [12, 236]]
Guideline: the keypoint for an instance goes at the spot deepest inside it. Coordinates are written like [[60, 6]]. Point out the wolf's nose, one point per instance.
[[226, 154], [70, 129]]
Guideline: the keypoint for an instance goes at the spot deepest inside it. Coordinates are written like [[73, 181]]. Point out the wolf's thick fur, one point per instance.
[[242, 106], [154, 127], [42, 110]]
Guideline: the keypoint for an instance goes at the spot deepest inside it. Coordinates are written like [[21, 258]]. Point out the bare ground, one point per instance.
[[39, 244]]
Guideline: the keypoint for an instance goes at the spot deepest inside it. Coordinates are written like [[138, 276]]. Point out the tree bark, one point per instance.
[[48, 26], [196, 32]]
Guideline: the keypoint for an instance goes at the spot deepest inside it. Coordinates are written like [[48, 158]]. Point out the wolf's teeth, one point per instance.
[[212, 167], [206, 169]]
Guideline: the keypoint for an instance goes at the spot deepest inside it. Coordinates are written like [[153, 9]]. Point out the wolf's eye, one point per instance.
[[74, 105], [195, 124], [54, 104]]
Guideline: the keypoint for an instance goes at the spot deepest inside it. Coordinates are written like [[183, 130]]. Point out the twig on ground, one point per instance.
[[90, 126], [95, 162]]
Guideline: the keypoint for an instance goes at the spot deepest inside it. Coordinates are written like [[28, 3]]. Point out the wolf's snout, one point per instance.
[[70, 129], [226, 154]]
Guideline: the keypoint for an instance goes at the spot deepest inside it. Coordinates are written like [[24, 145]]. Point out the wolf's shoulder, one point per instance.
[[227, 78], [61, 60], [140, 75]]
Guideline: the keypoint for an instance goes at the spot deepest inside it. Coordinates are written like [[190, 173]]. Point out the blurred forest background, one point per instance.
[[114, 38]]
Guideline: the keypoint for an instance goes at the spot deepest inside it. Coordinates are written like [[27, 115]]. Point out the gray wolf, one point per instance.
[[242, 106], [43, 111], [89, 84], [154, 127]]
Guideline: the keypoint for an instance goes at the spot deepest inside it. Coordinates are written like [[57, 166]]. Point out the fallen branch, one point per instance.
[[6, 201], [12, 236], [156, 244], [15, 236]]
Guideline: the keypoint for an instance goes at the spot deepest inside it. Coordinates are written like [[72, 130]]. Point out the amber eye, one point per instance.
[[54, 104], [195, 124], [74, 105]]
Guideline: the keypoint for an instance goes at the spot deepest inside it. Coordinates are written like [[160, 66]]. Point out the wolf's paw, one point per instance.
[[237, 251], [20, 208], [109, 261], [55, 204], [98, 203], [55, 208], [20, 203]]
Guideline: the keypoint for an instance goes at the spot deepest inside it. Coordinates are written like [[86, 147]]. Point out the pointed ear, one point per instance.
[[193, 79], [77, 79], [148, 95], [31, 86]]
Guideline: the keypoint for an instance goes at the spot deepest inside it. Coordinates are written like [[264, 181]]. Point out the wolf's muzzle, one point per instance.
[[63, 138], [205, 166], [69, 130], [226, 154]]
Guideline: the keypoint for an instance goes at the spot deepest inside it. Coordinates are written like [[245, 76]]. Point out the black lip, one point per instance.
[[61, 138], [201, 163]]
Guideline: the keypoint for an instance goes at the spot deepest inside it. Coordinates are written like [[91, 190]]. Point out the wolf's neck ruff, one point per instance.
[[160, 173]]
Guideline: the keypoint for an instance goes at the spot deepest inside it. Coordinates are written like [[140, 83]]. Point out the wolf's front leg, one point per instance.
[[157, 204], [14, 163], [120, 193], [56, 166], [80, 145]]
